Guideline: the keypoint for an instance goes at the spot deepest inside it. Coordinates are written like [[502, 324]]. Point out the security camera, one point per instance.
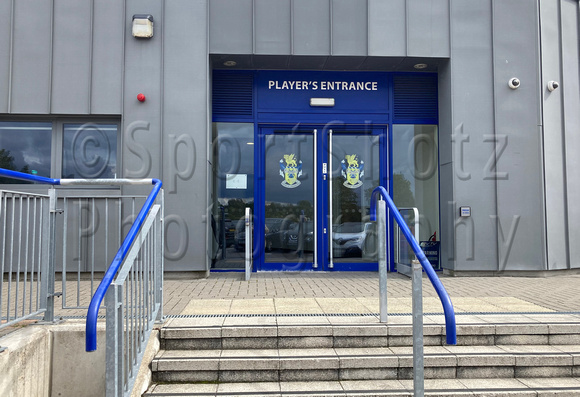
[[552, 85], [514, 83]]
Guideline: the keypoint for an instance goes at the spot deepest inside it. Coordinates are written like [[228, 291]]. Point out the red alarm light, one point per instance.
[[141, 97]]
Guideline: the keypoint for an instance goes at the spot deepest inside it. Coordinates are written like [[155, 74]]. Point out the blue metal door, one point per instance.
[[313, 194]]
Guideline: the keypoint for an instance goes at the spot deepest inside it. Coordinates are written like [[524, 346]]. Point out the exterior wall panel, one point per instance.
[[570, 11], [349, 27], [142, 140], [311, 27], [31, 57], [273, 24], [428, 28], [5, 47], [471, 137], [71, 57], [556, 222], [520, 196], [231, 26], [185, 136], [387, 28], [108, 36]]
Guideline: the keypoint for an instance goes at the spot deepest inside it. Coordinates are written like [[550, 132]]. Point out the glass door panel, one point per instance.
[[289, 199], [355, 171]]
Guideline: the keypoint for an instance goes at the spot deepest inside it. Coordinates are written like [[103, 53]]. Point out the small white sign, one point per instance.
[[465, 211], [236, 181]]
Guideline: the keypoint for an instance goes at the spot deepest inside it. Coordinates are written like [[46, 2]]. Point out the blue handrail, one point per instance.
[[93, 312], [28, 177], [451, 330], [91, 326]]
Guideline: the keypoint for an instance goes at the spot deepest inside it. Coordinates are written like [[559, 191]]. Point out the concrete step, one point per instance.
[[512, 387], [182, 335], [393, 363]]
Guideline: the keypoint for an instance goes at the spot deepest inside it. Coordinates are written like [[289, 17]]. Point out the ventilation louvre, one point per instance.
[[415, 97], [232, 94]]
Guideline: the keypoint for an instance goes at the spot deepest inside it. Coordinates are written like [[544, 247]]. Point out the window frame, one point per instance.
[[57, 140]]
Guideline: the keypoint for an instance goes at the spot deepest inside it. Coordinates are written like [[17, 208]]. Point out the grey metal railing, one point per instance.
[[24, 239], [42, 235], [404, 255], [133, 303], [378, 213]]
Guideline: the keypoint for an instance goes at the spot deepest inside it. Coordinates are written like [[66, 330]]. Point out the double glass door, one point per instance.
[[313, 201]]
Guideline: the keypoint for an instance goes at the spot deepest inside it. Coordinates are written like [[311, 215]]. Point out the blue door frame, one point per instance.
[[320, 261]]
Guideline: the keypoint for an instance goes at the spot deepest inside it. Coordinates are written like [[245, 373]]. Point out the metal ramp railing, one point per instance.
[[28, 242], [417, 276]]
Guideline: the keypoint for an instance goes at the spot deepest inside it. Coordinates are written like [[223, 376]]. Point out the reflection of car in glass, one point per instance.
[[230, 230], [277, 233], [292, 237], [354, 239]]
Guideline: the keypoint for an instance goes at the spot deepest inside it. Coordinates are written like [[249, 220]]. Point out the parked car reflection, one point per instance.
[[354, 240], [292, 237]]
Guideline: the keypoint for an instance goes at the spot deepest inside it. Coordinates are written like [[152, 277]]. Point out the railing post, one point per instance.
[[382, 244], [114, 346], [417, 303], [248, 244], [159, 266], [48, 271]]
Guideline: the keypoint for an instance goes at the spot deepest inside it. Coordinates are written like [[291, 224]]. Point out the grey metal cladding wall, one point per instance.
[[31, 57], [185, 132], [231, 26], [387, 21], [61, 57], [428, 28], [570, 12], [520, 196], [71, 57], [330, 27], [553, 131], [142, 144], [107, 56], [470, 139], [311, 27], [5, 59], [273, 30], [349, 27]]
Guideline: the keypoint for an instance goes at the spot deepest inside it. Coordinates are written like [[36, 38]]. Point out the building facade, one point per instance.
[[466, 110]]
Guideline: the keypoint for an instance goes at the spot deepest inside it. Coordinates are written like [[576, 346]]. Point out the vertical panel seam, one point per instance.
[[331, 26], [50, 68], [540, 121], [291, 28], [563, 132], [406, 28], [253, 27], [162, 91], [91, 50], [11, 55], [494, 95], [542, 138]]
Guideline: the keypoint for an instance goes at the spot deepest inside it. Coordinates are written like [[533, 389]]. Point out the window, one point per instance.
[[89, 151], [25, 147], [59, 148], [416, 174]]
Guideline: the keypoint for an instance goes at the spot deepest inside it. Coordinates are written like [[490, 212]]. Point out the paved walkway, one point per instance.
[[357, 293]]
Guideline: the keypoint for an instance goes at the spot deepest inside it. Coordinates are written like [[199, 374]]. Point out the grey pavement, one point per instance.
[[357, 293]]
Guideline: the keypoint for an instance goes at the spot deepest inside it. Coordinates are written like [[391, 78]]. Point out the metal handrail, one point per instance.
[[92, 313], [91, 325], [450, 324]]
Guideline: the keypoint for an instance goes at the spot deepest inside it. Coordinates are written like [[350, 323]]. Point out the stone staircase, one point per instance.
[[364, 359]]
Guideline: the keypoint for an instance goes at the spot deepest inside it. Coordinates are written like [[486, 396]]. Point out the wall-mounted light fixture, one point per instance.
[[328, 102], [142, 26]]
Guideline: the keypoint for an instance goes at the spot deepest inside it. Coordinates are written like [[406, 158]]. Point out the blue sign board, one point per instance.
[[333, 93]]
